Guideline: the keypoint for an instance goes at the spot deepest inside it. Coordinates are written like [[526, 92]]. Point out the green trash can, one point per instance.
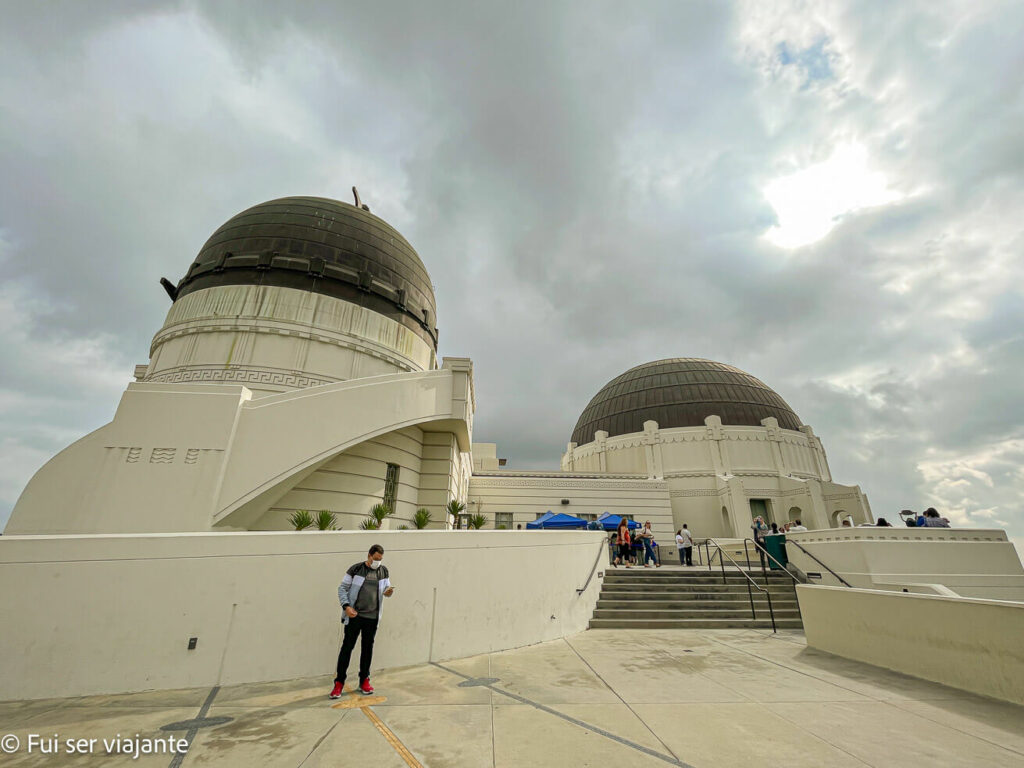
[[775, 544]]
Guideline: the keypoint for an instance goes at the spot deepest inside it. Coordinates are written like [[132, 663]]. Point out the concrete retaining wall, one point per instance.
[[965, 643], [114, 613]]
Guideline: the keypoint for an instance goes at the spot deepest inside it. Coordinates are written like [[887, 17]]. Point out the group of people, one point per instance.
[[762, 529], [631, 548], [930, 518]]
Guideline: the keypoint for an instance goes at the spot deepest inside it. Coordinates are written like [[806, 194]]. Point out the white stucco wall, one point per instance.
[[980, 563], [529, 494], [971, 644], [107, 614], [351, 483], [190, 457]]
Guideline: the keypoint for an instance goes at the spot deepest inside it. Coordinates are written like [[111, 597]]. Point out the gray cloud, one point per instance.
[[585, 183]]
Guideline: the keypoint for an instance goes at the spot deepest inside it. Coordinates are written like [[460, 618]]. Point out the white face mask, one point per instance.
[[375, 564]]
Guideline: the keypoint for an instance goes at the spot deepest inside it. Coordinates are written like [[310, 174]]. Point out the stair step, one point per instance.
[[681, 577], [705, 589], [702, 623], [691, 605], [709, 613], [683, 594]]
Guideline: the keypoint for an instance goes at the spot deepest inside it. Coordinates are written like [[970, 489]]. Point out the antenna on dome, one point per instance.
[[360, 203]]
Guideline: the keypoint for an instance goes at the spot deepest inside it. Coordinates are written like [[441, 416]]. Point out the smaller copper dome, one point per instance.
[[681, 392]]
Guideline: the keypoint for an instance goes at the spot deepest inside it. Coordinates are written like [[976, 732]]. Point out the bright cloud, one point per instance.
[[810, 202]]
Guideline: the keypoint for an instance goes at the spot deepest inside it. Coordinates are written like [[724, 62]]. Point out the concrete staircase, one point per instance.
[[694, 598]]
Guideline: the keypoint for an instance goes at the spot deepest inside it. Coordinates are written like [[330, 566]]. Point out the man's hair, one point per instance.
[[797, 521], [375, 549]]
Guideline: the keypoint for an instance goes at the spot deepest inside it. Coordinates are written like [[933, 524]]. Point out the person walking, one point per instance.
[[624, 541], [684, 541], [361, 596]]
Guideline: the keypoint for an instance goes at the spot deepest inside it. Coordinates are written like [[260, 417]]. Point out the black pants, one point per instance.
[[688, 554], [369, 629]]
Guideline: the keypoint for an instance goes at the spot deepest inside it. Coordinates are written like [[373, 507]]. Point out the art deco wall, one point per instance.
[[714, 473], [274, 339]]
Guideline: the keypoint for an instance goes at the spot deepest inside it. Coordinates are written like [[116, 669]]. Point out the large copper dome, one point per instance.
[[324, 246], [681, 392]]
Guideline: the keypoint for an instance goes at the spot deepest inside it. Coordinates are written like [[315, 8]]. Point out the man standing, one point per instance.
[[684, 542], [361, 596]]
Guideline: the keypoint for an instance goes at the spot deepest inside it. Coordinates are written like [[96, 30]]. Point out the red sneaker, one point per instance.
[[336, 693], [365, 687]]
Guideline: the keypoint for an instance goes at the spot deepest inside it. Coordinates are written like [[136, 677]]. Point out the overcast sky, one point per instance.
[[828, 196]]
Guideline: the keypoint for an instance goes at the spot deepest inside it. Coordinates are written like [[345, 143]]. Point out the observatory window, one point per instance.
[[503, 520], [391, 486]]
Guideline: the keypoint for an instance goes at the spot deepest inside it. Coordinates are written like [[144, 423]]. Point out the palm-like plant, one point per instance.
[[301, 519], [455, 508], [422, 518], [325, 520], [477, 521], [369, 524], [381, 511]]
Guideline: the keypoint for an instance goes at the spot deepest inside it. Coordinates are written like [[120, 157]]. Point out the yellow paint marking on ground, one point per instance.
[[398, 746], [358, 701]]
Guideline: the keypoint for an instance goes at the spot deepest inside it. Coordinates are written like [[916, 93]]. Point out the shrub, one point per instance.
[[369, 524], [301, 519], [422, 518], [380, 512], [325, 520], [455, 508], [477, 521]]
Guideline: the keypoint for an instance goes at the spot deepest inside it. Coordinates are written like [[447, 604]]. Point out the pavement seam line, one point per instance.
[[393, 740], [191, 734], [626, 703], [896, 703], [797, 724], [344, 714], [568, 718], [490, 699], [761, 704]]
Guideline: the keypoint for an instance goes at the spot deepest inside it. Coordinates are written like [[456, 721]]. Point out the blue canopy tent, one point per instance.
[[610, 522], [560, 520]]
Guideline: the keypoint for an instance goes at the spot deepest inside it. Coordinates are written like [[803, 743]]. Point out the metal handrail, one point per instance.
[[761, 548], [592, 570], [750, 595], [815, 559]]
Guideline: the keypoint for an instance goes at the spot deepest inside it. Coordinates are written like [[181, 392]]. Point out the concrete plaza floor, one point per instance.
[[600, 698]]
